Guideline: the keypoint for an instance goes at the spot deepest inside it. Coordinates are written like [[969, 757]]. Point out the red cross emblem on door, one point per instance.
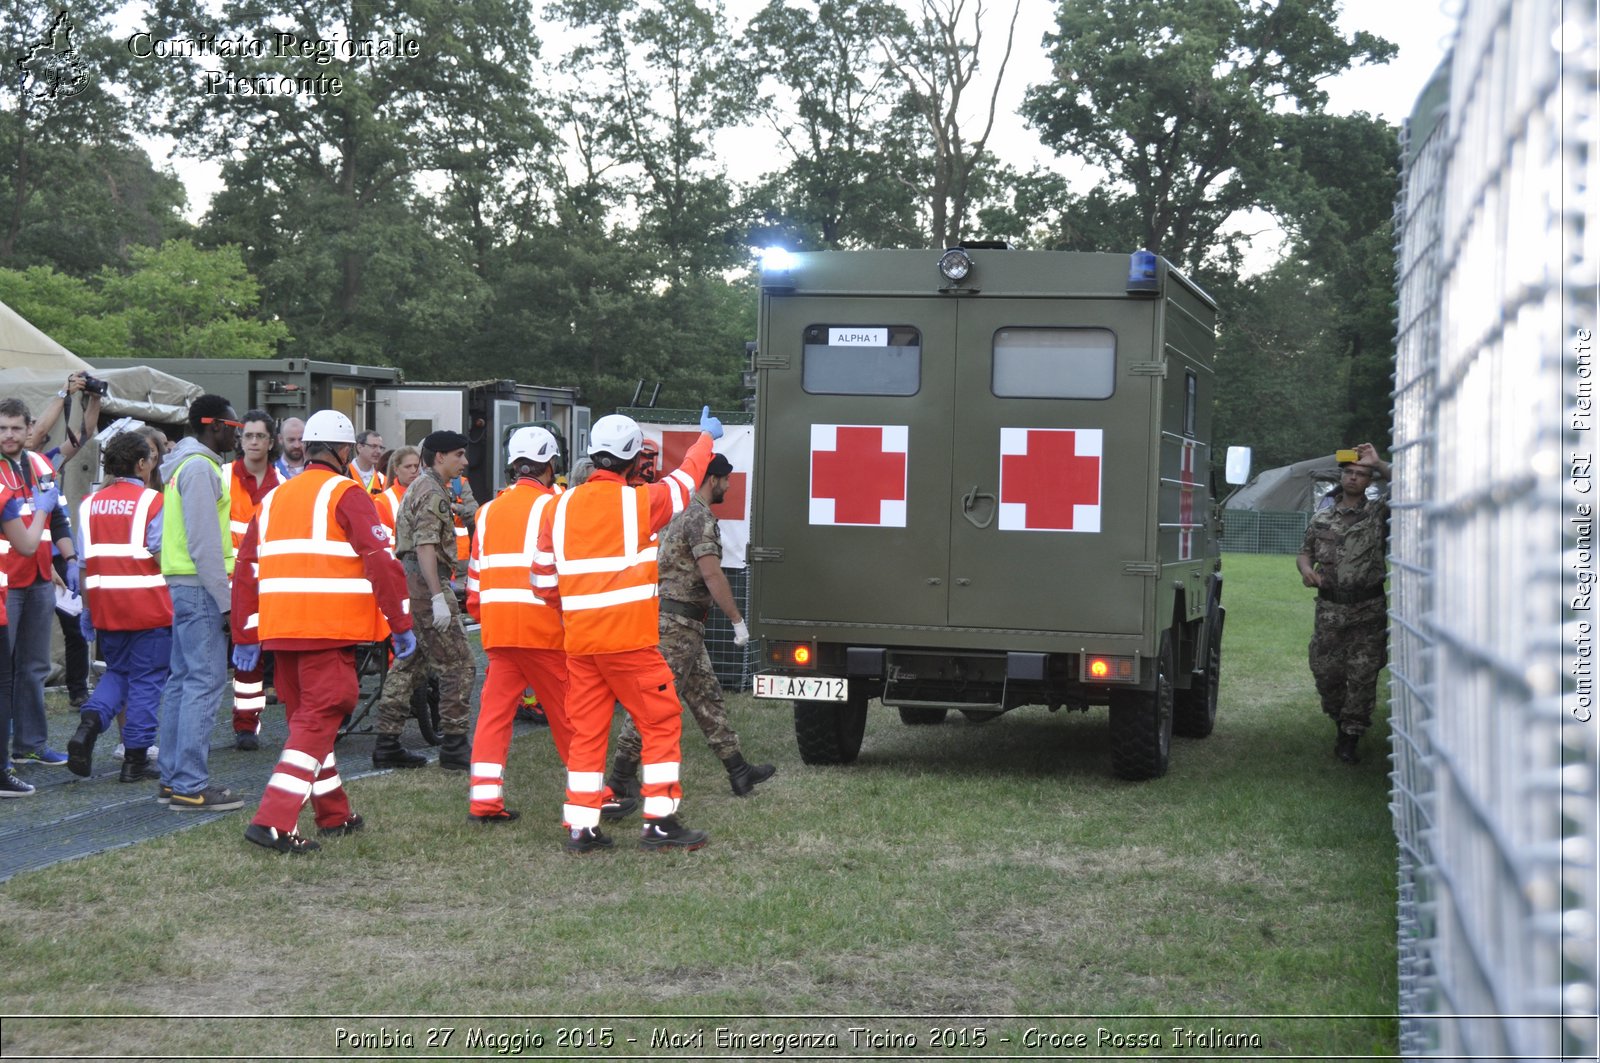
[[1049, 479], [858, 474]]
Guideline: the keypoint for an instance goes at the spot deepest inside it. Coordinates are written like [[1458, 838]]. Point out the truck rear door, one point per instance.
[[1051, 464], [857, 447]]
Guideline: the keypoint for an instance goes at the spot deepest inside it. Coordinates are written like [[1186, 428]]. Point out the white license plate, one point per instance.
[[802, 687]]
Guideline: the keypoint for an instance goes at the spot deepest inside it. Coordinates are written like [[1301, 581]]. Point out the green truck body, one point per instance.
[[986, 492]]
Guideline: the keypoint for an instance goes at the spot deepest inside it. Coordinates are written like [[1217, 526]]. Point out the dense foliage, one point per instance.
[[477, 208]]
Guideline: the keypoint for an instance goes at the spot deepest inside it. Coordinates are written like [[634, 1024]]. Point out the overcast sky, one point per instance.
[[1420, 28]]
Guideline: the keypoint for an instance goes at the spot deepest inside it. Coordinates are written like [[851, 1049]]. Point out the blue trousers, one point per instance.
[[30, 616], [137, 666], [194, 692]]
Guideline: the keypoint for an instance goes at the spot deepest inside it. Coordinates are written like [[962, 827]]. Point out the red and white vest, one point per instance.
[[122, 579]]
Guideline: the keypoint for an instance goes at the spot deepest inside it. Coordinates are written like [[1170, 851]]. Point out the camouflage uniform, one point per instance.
[[693, 534], [1349, 645], [425, 517]]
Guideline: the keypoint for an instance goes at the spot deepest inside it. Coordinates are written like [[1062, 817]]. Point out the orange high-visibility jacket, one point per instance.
[[313, 584], [499, 593], [20, 570], [244, 498], [122, 580], [600, 540]]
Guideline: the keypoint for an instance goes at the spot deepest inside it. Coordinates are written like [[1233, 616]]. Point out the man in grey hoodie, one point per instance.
[[197, 559]]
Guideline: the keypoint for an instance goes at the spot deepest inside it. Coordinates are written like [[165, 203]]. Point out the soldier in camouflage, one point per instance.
[[1343, 558], [689, 560], [425, 543]]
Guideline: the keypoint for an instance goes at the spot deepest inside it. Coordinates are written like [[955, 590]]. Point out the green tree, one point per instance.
[[825, 86], [1183, 105]]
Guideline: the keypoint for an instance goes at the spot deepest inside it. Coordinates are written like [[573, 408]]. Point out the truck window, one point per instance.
[[862, 360], [1054, 363]]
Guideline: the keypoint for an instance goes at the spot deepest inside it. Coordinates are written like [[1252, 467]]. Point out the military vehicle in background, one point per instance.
[[983, 481]]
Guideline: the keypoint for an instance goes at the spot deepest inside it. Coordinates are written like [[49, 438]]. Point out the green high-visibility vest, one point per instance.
[[175, 558]]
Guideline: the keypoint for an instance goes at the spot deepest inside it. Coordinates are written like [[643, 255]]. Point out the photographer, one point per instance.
[[90, 390]]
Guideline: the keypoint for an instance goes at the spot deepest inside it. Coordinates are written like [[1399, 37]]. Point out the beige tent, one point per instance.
[[22, 346]]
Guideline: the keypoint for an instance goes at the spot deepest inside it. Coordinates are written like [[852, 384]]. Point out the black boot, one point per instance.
[[743, 776], [622, 784], [80, 747], [136, 766], [1345, 748], [389, 753], [454, 753]]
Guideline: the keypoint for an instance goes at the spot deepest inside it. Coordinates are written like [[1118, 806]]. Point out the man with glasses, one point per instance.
[[253, 476], [364, 466], [197, 560]]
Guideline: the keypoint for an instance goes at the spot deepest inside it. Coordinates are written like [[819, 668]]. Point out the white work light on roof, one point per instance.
[[955, 264], [776, 259]]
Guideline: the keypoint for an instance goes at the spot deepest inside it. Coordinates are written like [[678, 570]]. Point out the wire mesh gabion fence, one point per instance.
[[1494, 762]]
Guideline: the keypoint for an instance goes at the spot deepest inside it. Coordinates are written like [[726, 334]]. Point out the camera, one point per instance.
[[95, 385]]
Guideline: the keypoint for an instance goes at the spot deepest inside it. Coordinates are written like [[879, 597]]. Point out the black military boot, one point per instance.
[[136, 766], [389, 753], [80, 747], [743, 776], [622, 784], [455, 754], [1345, 748]]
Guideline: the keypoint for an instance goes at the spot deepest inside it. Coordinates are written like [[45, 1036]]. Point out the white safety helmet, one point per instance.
[[329, 426], [532, 443], [616, 435]]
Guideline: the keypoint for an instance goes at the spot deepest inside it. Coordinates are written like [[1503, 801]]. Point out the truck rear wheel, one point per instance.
[[830, 732], [1141, 724], [922, 717], [1194, 711]]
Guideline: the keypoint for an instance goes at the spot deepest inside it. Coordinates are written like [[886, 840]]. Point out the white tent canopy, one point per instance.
[[22, 346]]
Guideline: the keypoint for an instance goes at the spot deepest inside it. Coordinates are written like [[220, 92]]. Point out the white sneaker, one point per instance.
[[119, 751]]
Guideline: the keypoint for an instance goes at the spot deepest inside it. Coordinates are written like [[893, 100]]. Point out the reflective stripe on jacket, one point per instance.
[[605, 563], [313, 584], [503, 552], [122, 580], [20, 570]]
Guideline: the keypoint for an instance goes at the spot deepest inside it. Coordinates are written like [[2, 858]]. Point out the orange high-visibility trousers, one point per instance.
[[642, 682], [511, 669]]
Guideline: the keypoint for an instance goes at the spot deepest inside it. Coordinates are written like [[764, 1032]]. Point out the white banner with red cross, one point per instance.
[[1050, 479], [858, 474], [738, 445]]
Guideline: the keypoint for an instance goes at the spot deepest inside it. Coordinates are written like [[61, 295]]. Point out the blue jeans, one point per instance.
[[194, 692], [30, 613], [137, 666]]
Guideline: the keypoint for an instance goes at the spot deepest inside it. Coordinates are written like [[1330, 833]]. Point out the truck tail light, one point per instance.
[[1101, 668], [792, 654]]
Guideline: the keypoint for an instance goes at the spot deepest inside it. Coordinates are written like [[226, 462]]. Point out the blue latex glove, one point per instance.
[[85, 626], [405, 643], [46, 496], [246, 656], [72, 575], [709, 424]]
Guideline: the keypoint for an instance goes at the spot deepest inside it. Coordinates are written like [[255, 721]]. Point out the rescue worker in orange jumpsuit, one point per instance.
[[315, 578], [253, 476], [521, 634], [596, 559]]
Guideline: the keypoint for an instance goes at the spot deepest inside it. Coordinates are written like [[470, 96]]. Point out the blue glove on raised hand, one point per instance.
[[72, 575], [46, 497], [86, 627], [709, 424], [246, 656], [405, 643]]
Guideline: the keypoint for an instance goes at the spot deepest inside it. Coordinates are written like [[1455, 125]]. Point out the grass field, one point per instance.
[[956, 877]]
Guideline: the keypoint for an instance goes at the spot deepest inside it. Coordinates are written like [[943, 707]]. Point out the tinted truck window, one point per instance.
[[1054, 363], [862, 360]]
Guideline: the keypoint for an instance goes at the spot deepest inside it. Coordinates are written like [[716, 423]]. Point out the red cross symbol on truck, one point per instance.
[[1049, 479], [858, 474]]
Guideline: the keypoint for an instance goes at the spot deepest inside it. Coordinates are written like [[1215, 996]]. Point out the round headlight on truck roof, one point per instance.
[[955, 264]]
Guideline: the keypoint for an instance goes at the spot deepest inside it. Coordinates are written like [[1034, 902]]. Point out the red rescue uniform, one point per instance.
[[244, 501]]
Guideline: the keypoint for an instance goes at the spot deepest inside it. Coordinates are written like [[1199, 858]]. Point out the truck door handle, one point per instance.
[[969, 502]]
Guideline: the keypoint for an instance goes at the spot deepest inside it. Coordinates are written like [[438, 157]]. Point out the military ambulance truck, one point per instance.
[[983, 482]]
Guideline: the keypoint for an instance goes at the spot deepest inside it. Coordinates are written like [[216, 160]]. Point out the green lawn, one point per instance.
[[996, 873]]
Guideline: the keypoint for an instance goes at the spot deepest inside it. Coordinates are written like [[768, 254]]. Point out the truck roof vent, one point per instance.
[[987, 245]]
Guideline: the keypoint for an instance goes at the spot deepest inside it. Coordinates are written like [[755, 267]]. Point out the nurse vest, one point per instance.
[[313, 584], [503, 550], [122, 579]]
